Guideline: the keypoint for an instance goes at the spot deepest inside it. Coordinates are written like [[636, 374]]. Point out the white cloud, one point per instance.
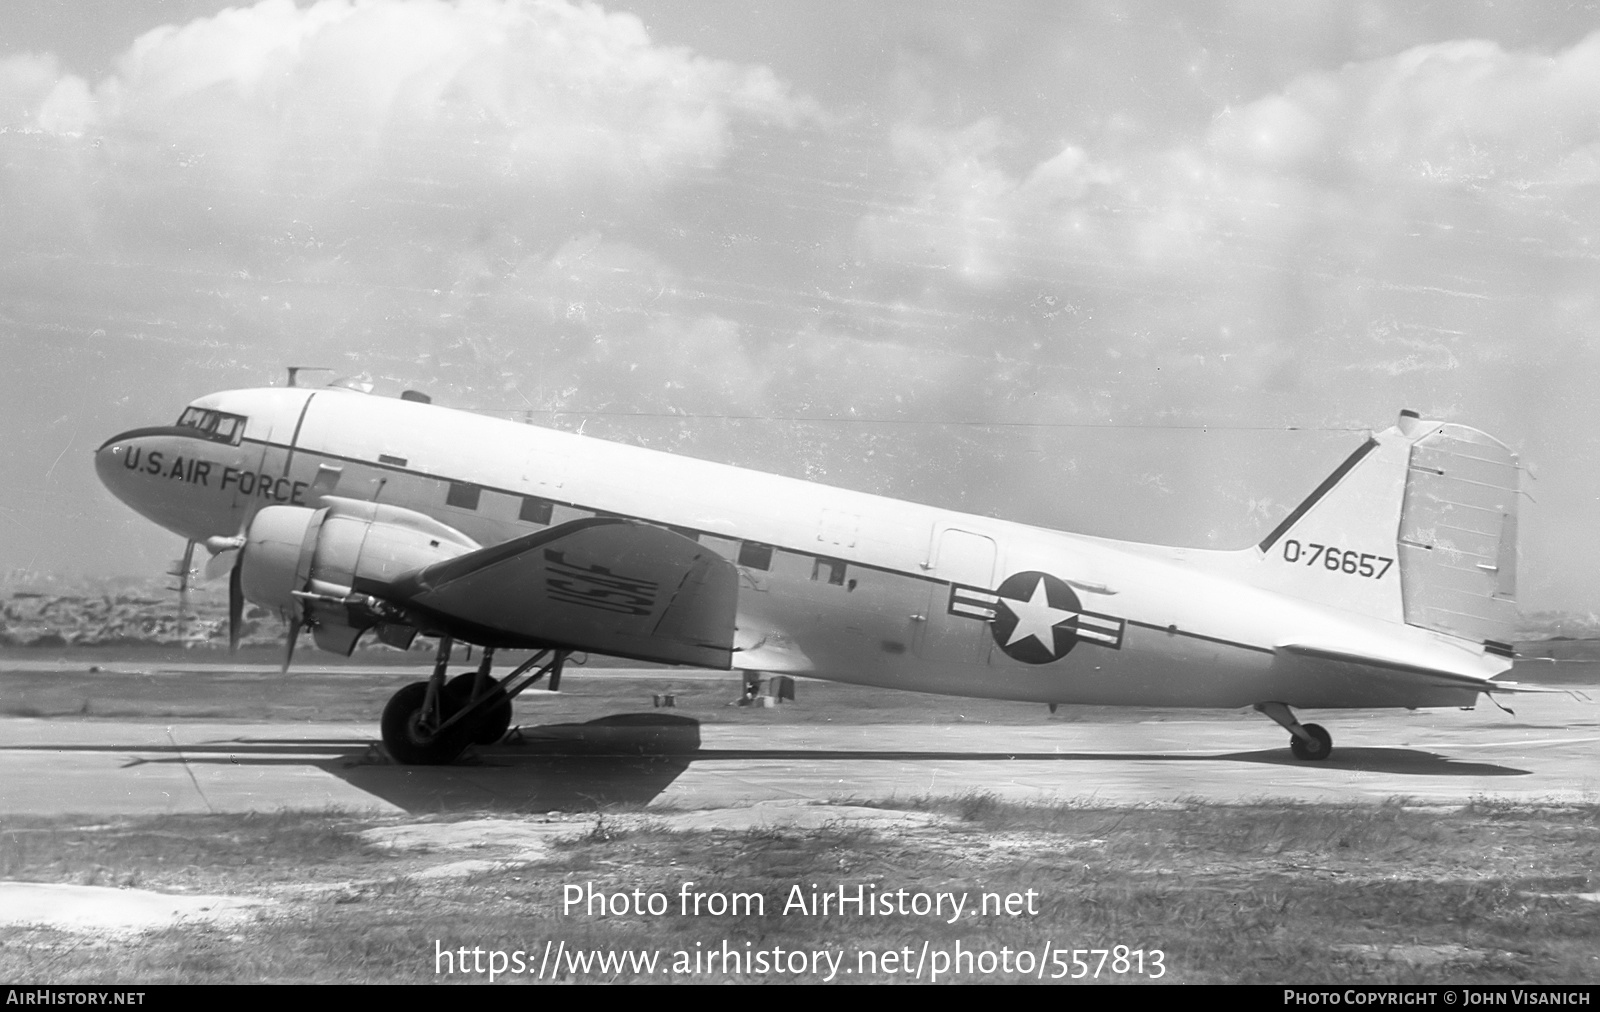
[[1449, 111], [966, 214], [423, 109], [36, 95], [1389, 170]]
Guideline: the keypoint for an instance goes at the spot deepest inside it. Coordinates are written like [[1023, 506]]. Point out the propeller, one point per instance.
[[222, 559], [293, 638], [226, 554], [235, 608], [183, 569]]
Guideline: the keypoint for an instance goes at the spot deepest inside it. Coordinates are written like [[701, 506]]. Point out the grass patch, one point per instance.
[[177, 851], [1253, 894]]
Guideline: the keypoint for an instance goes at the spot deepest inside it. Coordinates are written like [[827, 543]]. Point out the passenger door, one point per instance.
[[951, 629]]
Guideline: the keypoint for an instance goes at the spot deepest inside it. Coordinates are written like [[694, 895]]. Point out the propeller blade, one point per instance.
[[224, 554], [235, 608], [220, 563], [184, 571], [294, 637]]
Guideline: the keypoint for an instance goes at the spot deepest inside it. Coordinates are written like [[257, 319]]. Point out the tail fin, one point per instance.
[[1419, 526]]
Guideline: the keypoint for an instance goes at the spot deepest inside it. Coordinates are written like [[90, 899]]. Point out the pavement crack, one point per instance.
[[192, 778]]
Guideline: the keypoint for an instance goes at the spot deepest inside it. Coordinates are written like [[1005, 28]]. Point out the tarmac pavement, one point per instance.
[[1549, 752]]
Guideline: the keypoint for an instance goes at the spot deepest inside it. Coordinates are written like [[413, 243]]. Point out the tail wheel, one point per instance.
[[1312, 753], [494, 718], [403, 735]]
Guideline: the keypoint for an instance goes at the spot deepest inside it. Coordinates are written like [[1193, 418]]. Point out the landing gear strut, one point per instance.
[[478, 687], [430, 723], [1310, 742]]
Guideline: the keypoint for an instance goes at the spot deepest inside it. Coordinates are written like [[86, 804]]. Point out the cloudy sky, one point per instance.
[[1141, 270]]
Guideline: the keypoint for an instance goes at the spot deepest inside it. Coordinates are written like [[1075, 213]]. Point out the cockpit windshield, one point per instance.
[[217, 426]]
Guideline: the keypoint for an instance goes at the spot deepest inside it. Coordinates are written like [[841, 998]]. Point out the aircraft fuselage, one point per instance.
[[833, 583]]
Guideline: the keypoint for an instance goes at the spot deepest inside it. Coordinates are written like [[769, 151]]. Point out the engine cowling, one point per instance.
[[304, 562]]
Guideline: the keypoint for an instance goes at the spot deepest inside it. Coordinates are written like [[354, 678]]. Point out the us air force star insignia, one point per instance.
[[1037, 621]]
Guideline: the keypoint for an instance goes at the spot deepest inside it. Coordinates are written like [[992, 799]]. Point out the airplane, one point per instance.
[[1391, 585]]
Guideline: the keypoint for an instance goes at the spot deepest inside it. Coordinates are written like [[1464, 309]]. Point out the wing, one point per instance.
[[610, 586]]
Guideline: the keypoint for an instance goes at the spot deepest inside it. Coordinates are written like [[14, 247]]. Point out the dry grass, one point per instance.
[[1266, 893], [180, 852]]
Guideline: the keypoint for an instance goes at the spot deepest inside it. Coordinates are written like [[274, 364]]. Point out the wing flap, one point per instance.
[[605, 585]]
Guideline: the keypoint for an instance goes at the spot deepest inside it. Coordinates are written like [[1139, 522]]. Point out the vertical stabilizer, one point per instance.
[[1418, 525], [1337, 547]]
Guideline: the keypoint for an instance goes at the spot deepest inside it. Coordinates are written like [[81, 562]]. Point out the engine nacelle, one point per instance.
[[300, 561]]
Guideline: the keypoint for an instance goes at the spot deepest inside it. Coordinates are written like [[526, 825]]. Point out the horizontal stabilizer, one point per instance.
[[1417, 672], [604, 585], [1317, 676]]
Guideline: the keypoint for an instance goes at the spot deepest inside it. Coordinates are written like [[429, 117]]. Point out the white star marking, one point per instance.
[[1036, 618]]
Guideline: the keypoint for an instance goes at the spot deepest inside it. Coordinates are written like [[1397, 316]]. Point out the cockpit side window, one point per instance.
[[229, 428], [217, 426]]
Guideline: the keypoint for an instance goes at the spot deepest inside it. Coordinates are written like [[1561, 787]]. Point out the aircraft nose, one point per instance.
[[127, 465], [171, 475], [111, 463], [135, 466]]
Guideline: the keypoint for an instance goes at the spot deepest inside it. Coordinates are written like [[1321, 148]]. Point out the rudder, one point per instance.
[[1458, 536], [1417, 526]]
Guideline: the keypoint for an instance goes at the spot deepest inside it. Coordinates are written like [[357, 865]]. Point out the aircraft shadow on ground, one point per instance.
[[631, 758], [1400, 761], [1366, 760]]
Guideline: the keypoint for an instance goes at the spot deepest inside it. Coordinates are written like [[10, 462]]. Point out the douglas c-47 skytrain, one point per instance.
[[1391, 585]]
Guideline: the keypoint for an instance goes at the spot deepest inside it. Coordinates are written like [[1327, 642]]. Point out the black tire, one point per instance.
[[406, 741], [1312, 753], [494, 720]]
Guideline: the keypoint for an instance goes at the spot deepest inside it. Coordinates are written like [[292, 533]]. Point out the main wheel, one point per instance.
[[493, 720], [1312, 753], [404, 737]]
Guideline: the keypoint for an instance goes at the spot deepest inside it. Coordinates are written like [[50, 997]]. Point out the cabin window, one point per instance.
[[462, 495], [217, 426], [753, 555], [535, 510], [391, 459], [831, 570]]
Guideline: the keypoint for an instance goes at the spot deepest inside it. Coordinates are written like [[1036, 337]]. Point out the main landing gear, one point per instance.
[[430, 723], [1310, 742]]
